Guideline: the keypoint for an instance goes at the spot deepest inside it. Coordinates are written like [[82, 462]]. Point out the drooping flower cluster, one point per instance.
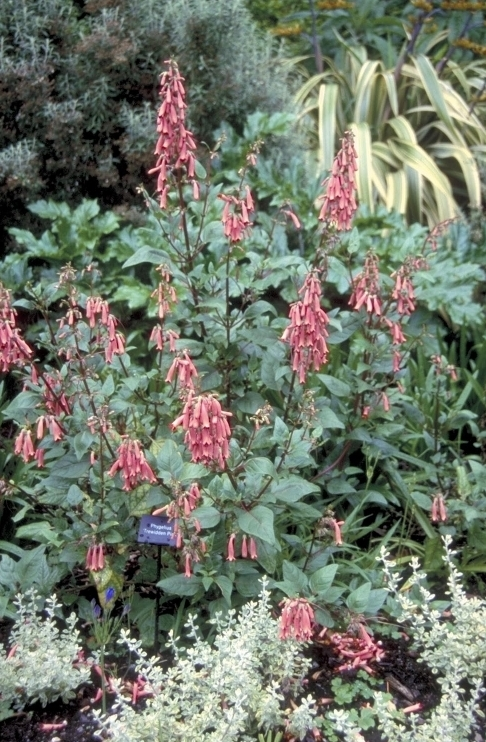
[[14, 351], [132, 464], [297, 619], [366, 287], [175, 146], [24, 445], [207, 429], [236, 215], [161, 337], [95, 557], [403, 292], [184, 370], [307, 331], [97, 312], [339, 204], [165, 292], [438, 512], [248, 548]]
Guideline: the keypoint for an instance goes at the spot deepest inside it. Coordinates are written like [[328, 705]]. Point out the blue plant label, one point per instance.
[[156, 529]]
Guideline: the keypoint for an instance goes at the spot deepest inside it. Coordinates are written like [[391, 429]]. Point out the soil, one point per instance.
[[399, 673]]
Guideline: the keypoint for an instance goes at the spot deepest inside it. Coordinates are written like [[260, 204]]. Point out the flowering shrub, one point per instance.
[[279, 406]]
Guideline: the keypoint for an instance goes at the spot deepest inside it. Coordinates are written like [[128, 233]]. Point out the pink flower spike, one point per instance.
[[207, 429], [307, 331], [175, 148], [339, 204], [253, 549]]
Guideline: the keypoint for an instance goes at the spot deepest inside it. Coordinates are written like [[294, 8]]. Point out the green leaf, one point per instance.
[[207, 516], [323, 578], [294, 575], [257, 522], [40, 531], [375, 601], [335, 386], [226, 587], [180, 585], [147, 255], [328, 419], [293, 488], [357, 601], [262, 466], [169, 460]]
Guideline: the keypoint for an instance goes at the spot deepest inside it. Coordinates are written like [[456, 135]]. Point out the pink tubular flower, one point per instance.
[[438, 512], [253, 549], [236, 215], [297, 619], [96, 306], [114, 347], [165, 293], [183, 367], [14, 351], [230, 551], [366, 287], [175, 146], [132, 464], [24, 446], [307, 331], [159, 337], [403, 292], [207, 429], [339, 204], [95, 557]]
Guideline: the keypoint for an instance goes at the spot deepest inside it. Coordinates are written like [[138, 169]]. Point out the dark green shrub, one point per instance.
[[78, 91]]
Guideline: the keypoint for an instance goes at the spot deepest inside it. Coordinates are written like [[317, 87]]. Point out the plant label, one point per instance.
[[156, 529]]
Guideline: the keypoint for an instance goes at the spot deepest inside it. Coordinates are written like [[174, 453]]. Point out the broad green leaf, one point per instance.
[[293, 488], [294, 575], [358, 599], [322, 579], [207, 516], [257, 522], [226, 587], [180, 585], [169, 460]]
